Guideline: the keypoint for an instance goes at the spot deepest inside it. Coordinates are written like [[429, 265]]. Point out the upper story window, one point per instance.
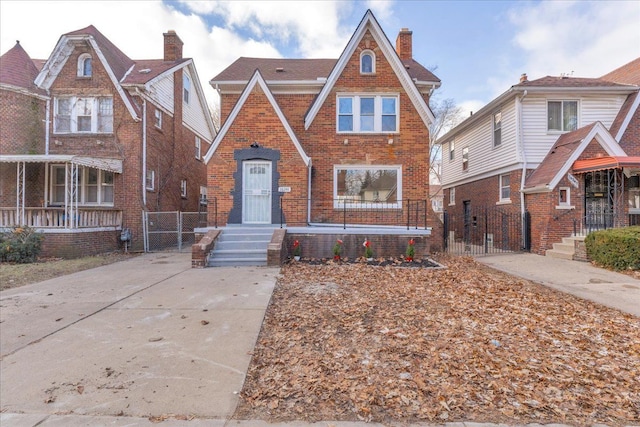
[[497, 129], [367, 113], [361, 186], [198, 148], [186, 88], [157, 119], [452, 150], [452, 196], [203, 194], [562, 115], [465, 158], [83, 115], [367, 62], [183, 188], [150, 180], [84, 65]]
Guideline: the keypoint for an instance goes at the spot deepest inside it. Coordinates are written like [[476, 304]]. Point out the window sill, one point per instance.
[[344, 132], [565, 207], [504, 202]]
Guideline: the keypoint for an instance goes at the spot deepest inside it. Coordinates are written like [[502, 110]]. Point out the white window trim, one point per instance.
[[80, 69], [494, 129], [183, 188], [452, 196], [501, 200], [373, 62], [186, 91], [73, 118], [198, 148], [150, 177], [158, 118], [369, 205], [567, 204], [83, 186], [377, 112], [561, 101], [465, 156]]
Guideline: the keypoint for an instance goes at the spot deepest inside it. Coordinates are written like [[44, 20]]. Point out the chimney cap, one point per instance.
[[523, 78]]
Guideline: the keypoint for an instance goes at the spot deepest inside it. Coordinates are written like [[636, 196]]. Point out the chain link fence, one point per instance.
[[171, 231]]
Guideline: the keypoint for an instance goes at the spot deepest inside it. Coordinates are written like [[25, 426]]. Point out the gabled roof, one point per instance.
[[548, 84], [19, 70], [115, 62], [146, 70], [628, 73], [370, 23], [565, 152], [257, 79]]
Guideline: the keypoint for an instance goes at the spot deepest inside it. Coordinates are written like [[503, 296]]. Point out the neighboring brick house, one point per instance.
[[563, 149], [90, 139], [325, 141]]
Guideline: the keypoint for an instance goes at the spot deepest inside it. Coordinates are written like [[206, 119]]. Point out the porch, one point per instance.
[[57, 218]]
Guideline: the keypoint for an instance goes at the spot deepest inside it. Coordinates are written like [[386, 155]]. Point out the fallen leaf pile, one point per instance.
[[384, 344]]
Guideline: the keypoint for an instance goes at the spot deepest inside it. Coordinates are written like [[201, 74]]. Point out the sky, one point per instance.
[[477, 48]]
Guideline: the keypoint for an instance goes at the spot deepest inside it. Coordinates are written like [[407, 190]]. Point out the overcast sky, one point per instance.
[[477, 48]]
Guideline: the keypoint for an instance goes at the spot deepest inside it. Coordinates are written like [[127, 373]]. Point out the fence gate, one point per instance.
[[171, 231], [486, 230]]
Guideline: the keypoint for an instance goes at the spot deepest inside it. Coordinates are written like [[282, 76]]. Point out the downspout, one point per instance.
[[144, 150], [309, 170], [520, 143], [47, 125]]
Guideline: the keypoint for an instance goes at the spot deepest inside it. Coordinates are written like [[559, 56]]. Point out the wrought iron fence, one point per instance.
[[164, 231], [602, 221], [346, 213], [486, 230]]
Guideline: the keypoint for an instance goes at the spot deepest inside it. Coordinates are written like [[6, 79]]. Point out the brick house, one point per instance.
[[90, 139], [564, 149], [324, 141]]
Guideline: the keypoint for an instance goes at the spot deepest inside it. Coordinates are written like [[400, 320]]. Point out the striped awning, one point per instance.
[[106, 164], [607, 162]]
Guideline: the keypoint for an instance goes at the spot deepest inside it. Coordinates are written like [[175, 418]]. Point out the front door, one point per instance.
[[256, 192]]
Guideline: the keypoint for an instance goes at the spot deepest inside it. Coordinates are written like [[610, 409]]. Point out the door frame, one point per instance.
[[246, 164]]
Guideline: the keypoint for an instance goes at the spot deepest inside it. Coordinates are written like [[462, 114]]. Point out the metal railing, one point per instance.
[[348, 213], [58, 218], [602, 221]]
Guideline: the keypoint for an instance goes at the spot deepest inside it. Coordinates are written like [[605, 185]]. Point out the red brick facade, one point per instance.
[[170, 151], [257, 121]]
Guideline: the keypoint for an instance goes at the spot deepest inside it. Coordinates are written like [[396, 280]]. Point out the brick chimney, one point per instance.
[[172, 46], [523, 78], [404, 45]]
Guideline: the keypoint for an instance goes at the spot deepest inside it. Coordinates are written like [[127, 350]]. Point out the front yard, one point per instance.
[[389, 344]]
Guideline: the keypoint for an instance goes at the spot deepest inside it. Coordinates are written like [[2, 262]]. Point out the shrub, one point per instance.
[[617, 248], [21, 245]]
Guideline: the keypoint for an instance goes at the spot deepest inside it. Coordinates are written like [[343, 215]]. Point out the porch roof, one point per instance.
[[606, 162], [111, 165]]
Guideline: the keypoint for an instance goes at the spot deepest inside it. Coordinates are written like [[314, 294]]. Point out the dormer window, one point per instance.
[[186, 88], [84, 65], [367, 62]]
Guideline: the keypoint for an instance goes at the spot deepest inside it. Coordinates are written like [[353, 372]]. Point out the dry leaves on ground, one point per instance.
[[357, 342]]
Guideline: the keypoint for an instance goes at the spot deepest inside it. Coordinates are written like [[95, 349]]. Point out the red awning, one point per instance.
[[608, 162]]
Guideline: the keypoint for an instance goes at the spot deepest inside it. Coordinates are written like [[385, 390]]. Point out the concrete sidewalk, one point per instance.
[[574, 277], [144, 337]]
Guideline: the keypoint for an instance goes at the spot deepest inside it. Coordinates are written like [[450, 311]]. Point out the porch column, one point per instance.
[[20, 189], [71, 195]]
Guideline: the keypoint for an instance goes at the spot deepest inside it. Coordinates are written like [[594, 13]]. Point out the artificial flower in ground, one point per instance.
[[296, 248], [410, 252], [337, 249], [368, 252]]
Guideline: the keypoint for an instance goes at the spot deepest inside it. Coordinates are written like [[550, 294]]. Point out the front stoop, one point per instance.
[[566, 249], [240, 246]]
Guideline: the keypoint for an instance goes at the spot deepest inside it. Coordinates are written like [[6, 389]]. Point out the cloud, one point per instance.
[[583, 37]]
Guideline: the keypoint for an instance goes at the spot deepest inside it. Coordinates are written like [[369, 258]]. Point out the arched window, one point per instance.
[[84, 65], [367, 62]]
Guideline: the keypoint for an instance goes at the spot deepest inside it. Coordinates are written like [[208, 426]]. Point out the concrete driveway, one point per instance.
[[145, 337]]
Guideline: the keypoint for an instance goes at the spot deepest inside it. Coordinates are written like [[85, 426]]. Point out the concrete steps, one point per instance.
[[241, 245], [564, 250]]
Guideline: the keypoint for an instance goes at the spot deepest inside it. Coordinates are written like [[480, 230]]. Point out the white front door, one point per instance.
[[256, 192]]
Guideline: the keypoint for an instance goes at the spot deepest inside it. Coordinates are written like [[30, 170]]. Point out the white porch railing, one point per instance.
[[56, 218]]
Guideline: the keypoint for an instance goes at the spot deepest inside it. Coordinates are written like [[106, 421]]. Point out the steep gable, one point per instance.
[[371, 26], [256, 81]]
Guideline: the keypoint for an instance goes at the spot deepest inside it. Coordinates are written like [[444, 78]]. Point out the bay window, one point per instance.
[[367, 113], [83, 115], [367, 186]]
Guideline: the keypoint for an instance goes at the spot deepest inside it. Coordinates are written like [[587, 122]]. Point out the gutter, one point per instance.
[[309, 170], [47, 126]]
